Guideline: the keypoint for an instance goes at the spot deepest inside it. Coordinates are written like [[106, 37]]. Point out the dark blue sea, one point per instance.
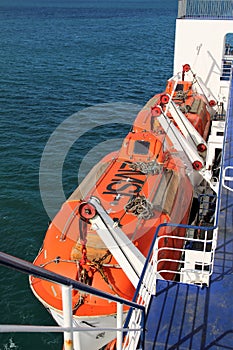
[[73, 76]]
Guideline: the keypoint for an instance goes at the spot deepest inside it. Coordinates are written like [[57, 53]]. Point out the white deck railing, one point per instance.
[[67, 286], [221, 9], [135, 323]]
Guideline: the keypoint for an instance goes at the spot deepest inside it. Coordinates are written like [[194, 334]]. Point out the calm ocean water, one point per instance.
[[58, 58]]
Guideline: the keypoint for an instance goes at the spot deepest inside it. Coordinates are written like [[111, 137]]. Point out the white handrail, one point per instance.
[[119, 324], [227, 178], [67, 316]]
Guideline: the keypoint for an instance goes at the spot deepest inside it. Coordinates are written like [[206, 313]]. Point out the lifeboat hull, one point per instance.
[[90, 339]]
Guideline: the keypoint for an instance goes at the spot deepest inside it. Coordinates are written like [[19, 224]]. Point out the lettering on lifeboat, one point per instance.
[[125, 182]]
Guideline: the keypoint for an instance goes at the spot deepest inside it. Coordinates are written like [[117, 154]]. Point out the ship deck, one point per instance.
[[185, 316]]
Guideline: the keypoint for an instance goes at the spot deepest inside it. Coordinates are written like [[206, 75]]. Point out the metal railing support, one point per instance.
[[219, 9], [119, 325], [67, 316]]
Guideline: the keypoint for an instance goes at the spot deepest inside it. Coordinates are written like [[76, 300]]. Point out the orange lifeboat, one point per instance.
[[193, 105], [139, 187]]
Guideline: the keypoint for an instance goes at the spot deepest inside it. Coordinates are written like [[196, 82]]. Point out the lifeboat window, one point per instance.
[[141, 147], [179, 87]]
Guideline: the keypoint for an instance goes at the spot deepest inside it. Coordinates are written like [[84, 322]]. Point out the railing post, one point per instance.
[[154, 260], [182, 8], [67, 316], [119, 325], [142, 337]]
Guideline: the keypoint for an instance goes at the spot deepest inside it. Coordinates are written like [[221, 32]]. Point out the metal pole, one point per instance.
[[119, 325], [67, 316]]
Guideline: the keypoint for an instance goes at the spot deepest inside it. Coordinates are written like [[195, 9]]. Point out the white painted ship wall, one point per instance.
[[201, 44]]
